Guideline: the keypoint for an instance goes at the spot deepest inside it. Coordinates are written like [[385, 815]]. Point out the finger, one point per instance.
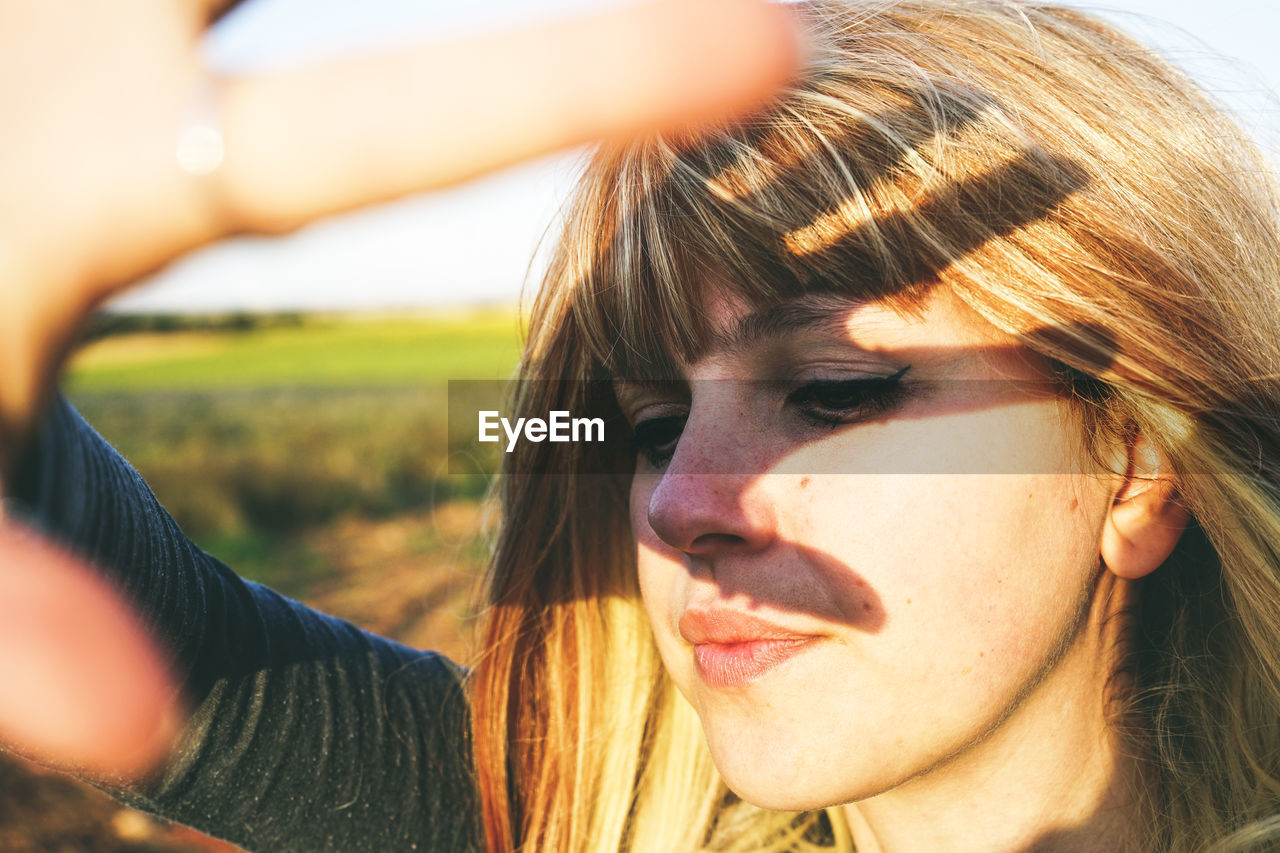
[[211, 10], [81, 686], [312, 142]]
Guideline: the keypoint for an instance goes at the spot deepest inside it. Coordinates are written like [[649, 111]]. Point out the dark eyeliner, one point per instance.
[[833, 402], [655, 438]]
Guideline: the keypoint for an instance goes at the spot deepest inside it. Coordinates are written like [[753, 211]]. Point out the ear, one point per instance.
[[1146, 517]]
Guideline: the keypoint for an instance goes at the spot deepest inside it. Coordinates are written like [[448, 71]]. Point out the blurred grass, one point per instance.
[[251, 435]]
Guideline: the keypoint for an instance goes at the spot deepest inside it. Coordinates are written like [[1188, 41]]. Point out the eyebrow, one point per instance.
[[826, 314]]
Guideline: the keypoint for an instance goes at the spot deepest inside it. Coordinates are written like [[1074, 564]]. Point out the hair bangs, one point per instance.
[[871, 198]]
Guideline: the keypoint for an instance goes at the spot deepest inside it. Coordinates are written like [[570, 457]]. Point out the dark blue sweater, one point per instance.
[[308, 733]]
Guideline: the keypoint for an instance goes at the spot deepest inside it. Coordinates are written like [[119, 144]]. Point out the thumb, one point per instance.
[[82, 687]]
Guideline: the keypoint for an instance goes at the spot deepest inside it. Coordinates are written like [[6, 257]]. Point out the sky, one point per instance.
[[480, 243]]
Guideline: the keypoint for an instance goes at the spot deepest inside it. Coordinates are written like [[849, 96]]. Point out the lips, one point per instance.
[[732, 649]]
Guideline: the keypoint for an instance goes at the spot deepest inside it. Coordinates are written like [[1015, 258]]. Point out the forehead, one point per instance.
[[938, 321]]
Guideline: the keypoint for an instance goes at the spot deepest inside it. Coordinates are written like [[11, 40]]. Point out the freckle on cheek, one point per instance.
[[804, 483]]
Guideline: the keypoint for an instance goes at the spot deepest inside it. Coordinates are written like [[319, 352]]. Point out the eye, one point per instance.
[[832, 402], [656, 438]]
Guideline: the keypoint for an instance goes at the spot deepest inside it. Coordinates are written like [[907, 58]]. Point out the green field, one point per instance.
[[312, 352], [257, 435]]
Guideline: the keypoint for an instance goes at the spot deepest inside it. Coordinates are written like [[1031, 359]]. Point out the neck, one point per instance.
[[1050, 777]]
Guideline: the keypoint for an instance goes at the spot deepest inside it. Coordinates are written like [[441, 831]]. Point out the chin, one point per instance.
[[779, 783], [778, 801], [765, 794]]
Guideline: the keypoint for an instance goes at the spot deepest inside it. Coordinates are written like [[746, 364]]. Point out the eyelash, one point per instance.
[[848, 400], [825, 403], [656, 438]]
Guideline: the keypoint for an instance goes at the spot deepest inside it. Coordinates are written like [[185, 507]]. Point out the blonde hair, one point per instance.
[[1071, 187]]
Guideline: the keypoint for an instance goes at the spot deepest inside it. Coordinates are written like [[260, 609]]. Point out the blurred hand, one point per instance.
[[81, 688], [94, 97]]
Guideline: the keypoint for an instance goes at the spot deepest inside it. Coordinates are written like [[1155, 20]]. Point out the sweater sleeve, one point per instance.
[[307, 733]]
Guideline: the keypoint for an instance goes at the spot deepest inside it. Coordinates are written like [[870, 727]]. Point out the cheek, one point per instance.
[[663, 578], [972, 554], [980, 575]]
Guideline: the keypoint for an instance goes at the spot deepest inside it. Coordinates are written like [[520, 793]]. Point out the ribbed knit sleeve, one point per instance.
[[308, 733]]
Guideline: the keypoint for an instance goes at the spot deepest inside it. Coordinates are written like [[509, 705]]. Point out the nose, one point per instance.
[[712, 497]]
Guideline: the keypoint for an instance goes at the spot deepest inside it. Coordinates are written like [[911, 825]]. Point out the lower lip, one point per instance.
[[736, 664]]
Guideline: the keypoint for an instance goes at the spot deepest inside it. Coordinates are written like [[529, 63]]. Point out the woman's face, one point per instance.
[[865, 541]]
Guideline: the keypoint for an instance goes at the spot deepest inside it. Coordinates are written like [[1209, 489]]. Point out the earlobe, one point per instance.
[[1146, 518]]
